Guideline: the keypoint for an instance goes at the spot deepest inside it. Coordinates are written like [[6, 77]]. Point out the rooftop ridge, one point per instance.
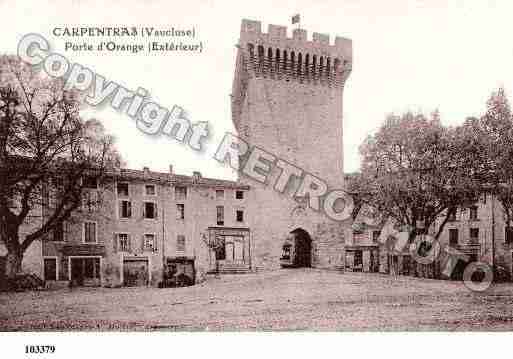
[[177, 178]]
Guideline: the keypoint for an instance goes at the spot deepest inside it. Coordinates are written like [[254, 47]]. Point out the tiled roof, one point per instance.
[[178, 179]]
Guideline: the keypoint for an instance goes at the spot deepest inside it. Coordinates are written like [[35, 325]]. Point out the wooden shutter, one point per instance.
[[129, 209], [129, 243], [155, 209]]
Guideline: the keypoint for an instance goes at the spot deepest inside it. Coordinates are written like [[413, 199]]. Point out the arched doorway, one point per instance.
[[297, 250]]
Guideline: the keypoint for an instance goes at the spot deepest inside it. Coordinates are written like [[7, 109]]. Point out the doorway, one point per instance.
[[302, 248], [85, 271], [135, 272]]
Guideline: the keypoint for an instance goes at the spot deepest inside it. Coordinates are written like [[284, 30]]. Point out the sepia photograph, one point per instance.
[[304, 169]]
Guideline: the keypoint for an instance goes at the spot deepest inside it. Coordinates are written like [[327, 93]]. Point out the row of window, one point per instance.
[[454, 235], [123, 243], [150, 211], [472, 214], [239, 215], [89, 232], [474, 235], [180, 191], [122, 189], [122, 240]]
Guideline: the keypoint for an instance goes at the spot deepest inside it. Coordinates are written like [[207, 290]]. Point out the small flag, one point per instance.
[[296, 19]]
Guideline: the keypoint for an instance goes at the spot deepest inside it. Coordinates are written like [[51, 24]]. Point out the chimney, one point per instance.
[[170, 169], [146, 171], [196, 175]]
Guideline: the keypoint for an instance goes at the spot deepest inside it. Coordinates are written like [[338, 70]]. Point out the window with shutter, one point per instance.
[[122, 189], [220, 215], [473, 213], [180, 193], [150, 190], [90, 232], [125, 209], [123, 242], [180, 243], [150, 210], [149, 242], [58, 232], [239, 216], [453, 237], [180, 211], [508, 234], [474, 234]]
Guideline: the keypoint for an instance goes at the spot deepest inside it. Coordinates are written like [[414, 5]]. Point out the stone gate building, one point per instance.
[[287, 100]]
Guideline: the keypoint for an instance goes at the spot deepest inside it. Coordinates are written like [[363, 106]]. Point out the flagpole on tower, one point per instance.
[[296, 19]]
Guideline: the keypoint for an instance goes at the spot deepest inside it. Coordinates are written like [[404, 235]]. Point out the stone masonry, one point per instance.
[[287, 100]]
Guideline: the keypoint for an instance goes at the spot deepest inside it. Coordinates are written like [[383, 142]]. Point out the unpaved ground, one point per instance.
[[300, 299]]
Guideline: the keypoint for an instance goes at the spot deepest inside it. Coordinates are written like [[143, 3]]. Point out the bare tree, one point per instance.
[[47, 154]]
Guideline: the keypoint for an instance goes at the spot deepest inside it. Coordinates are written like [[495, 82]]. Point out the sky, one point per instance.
[[407, 55]]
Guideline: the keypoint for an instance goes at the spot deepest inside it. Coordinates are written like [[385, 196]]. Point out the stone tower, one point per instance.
[[287, 100]]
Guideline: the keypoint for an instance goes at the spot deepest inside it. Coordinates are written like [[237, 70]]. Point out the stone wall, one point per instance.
[[287, 100]]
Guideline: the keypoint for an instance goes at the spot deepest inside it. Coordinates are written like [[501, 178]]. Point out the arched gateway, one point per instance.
[[297, 250]]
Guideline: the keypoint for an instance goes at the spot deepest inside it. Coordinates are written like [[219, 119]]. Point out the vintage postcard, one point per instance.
[[171, 168]]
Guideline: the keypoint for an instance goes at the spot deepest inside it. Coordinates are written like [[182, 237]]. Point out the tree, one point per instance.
[[418, 172], [47, 152], [495, 129]]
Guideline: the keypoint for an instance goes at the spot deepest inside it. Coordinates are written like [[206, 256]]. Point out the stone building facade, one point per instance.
[[287, 101], [137, 225], [479, 232], [362, 244]]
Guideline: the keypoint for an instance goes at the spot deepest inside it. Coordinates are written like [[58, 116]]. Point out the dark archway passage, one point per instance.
[[302, 248]]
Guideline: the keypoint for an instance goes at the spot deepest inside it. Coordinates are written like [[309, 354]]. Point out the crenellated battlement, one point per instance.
[[276, 36], [274, 55]]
